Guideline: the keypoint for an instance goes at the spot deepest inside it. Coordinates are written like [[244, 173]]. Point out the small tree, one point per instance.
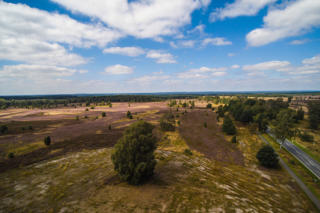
[[167, 122], [3, 129], [133, 155], [109, 127], [129, 115], [205, 125], [47, 140], [234, 139], [11, 155], [209, 106], [103, 114], [228, 126], [267, 157]]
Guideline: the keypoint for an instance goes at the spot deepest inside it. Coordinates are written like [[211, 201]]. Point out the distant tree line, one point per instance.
[[56, 101]]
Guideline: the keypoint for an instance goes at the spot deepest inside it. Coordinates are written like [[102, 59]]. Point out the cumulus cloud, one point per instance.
[[235, 66], [35, 36], [308, 66], [240, 8], [128, 51], [118, 69], [218, 41], [161, 57], [296, 18], [141, 18], [202, 73], [35, 72]]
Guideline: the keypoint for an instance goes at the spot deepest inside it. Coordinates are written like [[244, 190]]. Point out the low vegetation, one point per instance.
[[267, 157]]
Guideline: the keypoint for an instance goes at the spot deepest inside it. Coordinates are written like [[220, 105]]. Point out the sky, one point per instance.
[[145, 46]]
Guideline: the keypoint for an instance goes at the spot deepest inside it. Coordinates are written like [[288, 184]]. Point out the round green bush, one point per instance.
[[267, 157], [47, 140], [133, 155]]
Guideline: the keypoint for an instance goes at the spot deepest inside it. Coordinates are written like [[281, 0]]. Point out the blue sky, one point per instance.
[[120, 46]]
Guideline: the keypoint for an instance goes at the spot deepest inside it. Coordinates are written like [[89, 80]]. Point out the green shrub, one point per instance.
[[133, 155], [87, 109], [109, 127], [188, 152], [234, 139], [205, 124], [267, 157], [30, 127], [306, 137], [11, 155], [129, 115], [103, 114], [47, 140], [167, 122], [209, 106], [4, 129]]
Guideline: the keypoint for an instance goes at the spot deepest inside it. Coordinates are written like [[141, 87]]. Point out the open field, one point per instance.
[[75, 173]]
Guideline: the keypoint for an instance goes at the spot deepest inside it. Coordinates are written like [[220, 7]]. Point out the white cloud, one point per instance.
[[118, 69], [188, 43], [35, 36], [297, 18], [309, 66], [161, 57], [148, 79], [198, 29], [240, 8], [173, 45], [128, 51], [231, 54], [141, 18], [268, 66], [218, 41], [235, 66], [35, 72], [202, 73], [299, 42], [37, 52]]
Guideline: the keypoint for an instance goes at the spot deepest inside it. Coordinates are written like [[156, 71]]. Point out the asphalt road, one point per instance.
[[304, 158]]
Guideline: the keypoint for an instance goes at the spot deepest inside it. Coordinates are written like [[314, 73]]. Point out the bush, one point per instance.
[[209, 106], [11, 155], [234, 139], [103, 114], [267, 157], [109, 127], [87, 109], [47, 140], [129, 115], [3, 129], [306, 137], [167, 122], [133, 155], [188, 152], [205, 124], [30, 127], [228, 126]]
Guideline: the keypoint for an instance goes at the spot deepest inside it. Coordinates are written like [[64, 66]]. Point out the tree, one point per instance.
[[300, 114], [234, 139], [220, 111], [47, 140], [267, 157], [103, 114], [262, 122], [133, 155], [205, 125], [209, 106], [228, 126], [3, 129], [129, 115], [314, 114], [283, 125]]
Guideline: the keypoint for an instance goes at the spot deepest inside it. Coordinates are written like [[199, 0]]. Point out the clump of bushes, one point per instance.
[[129, 115], [188, 152], [11, 155], [133, 155], [167, 122], [47, 140], [267, 157], [103, 114], [306, 137], [209, 106]]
